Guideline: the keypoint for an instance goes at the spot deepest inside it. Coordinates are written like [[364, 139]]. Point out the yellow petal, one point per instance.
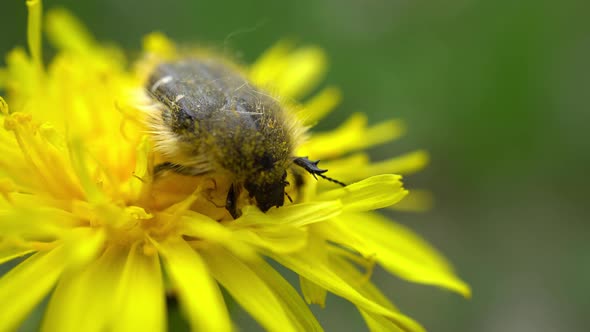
[[46, 163], [265, 232], [313, 293], [375, 322], [416, 201], [289, 73], [351, 136], [138, 189], [358, 166], [40, 224], [305, 213], [405, 164], [4, 106], [84, 299], [34, 32], [294, 306], [198, 293], [199, 226], [269, 65], [278, 239], [120, 289], [319, 106], [157, 43], [242, 238], [79, 161], [83, 244], [373, 193], [251, 292], [402, 252], [22, 78], [141, 294], [304, 69], [28, 224], [66, 32], [27, 284], [306, 264], [359, 280], [260, 230], [8, 253]]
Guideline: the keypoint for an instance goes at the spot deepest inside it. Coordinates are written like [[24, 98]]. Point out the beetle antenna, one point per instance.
[[313, 169], [332, 180]]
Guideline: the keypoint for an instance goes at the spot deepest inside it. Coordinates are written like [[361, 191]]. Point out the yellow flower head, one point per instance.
[[106, 240]]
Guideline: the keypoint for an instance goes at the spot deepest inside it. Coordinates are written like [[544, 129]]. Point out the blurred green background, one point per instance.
[[497, 91]]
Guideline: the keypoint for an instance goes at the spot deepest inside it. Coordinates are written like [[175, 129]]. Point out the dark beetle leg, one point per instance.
[[231, 203]]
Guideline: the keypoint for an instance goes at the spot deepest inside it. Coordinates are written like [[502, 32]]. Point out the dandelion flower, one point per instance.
[[92, 231]]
